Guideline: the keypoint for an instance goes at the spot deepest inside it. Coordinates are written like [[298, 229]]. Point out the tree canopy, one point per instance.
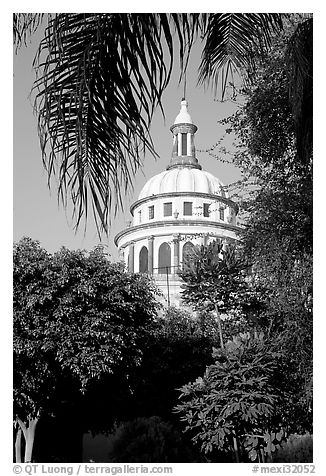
[[216, 279], [74, 313], [233, 406], [277, 237]]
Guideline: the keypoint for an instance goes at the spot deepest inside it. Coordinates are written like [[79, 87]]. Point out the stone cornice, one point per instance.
[[174, 223], [210, 196], [179, 161], [184, 127]]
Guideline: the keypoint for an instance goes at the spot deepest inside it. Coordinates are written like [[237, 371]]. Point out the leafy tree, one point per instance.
[[148, 440], [34, 381], [99, 79], [269, 150], [74, 314], [300, 73], [277, 237], [178, 349], [289, 314], [277, 240], [215, 278], [233, 406]]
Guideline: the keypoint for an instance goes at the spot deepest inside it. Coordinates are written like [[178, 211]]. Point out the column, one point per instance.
[[175, 146], [150, 254], [193, 150], [176, 248], [189, 151], [131, 257], [121, 254], [179, 144]]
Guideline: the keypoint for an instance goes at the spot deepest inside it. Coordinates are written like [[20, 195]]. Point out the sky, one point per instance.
[[36, 212]]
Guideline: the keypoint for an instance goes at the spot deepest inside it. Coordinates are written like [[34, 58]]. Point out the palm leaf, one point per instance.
[[24, 25], [228, 41], [100, 77]]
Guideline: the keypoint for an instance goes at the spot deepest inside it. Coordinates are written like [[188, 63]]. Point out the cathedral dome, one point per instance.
[[183, 179], [177, 209]]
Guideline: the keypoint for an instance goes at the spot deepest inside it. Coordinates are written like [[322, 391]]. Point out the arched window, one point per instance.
[[164, 259], [187, 251], [143, 260]]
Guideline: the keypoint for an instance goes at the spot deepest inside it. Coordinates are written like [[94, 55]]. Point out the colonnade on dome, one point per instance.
[[162, 254]]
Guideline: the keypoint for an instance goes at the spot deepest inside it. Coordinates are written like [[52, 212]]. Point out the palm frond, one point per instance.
[[228, 40], [24, 25], [100, 77]]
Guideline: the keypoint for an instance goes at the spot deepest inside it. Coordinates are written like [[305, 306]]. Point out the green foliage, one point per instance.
[[297, 449], [178, 349], [216, 279], [274, 135], [213, 276], [148, 440], [300, 59], [179, 324], [288, 320], [270, 148], [277, 295], [235, 399], [270, 126], [264, 446], [24, 26], [34, 380], [74, 313], [229, 38]]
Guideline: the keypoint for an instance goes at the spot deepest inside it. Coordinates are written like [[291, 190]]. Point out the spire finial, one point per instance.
[[183, 116], [184, 86]]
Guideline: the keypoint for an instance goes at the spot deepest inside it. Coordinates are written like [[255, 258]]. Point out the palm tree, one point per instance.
[[101, 76]]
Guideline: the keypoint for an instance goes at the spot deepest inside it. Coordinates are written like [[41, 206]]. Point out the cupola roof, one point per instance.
[[183, 117], [183, 179], [184, 173]]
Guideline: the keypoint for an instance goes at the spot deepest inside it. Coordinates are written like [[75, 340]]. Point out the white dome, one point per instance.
[[183, 179]]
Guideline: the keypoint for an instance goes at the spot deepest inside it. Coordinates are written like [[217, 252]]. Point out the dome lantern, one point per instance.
[[183, 130]]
